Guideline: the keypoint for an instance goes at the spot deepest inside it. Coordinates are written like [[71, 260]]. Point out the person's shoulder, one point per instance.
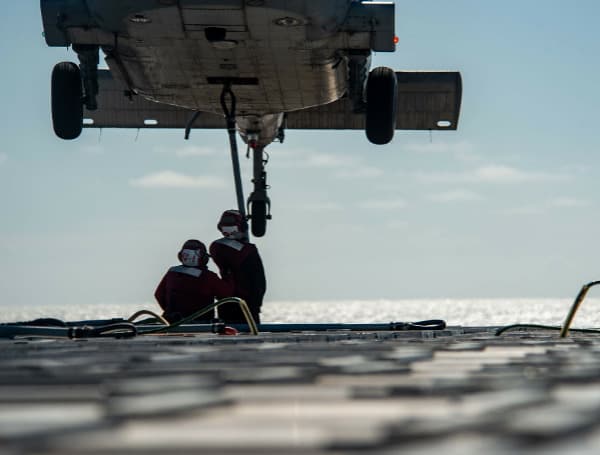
[[250, 246], [229, 244], [210, 275], [217, 246], [182, 270], [219, 242]]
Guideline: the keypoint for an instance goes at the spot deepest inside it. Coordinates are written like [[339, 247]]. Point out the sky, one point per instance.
[[505, 207]]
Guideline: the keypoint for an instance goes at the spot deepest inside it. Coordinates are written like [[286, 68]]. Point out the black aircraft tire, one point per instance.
[[67, 100], [259, 218], [382, 96]]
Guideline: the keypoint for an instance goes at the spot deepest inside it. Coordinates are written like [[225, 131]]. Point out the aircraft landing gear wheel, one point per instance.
[[258, 218], [67, 100], [382, 95]]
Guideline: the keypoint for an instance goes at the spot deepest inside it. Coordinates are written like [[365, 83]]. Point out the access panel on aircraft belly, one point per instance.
[[425, 99], [198, 18]]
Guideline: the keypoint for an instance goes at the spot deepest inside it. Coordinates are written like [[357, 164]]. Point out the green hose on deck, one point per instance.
[[243, 305], [564, 330]]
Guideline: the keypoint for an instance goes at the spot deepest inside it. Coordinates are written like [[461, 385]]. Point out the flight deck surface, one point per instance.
[[459, 390]]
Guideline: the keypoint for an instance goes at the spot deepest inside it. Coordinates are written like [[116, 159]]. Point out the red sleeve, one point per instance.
[[221, 288], [217, 257], [160, 293]]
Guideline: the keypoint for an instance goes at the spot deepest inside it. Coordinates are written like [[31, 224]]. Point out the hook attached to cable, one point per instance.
[[229, 111]]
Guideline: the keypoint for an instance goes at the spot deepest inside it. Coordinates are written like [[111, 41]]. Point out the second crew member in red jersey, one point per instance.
[[237, 257]]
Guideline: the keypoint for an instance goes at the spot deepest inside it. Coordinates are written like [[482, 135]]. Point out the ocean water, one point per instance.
[[466, 312]]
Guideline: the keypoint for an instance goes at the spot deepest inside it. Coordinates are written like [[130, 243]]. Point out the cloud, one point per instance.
[[193, 150], [359, 172], [382, 204], [305, 158], [463, 150], [321, 207], [92, 149], [397, 225], [455, 196], [327, 160], [567, 202], [523, 210], [189, 151], [497, 174], [170, 179], [3, 158], [344, 166], [558, 202]]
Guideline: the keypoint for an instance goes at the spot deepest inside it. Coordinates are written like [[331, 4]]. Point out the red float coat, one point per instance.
[[185, 290], [241, 261]]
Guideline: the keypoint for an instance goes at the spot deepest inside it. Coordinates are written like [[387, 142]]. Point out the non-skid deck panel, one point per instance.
[[452, 391]]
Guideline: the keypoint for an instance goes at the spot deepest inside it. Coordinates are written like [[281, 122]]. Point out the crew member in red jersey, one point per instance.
[[189, 287], [237, 257]]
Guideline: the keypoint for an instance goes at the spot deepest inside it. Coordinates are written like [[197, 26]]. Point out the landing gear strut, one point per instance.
[[259, 204], [88, 62]]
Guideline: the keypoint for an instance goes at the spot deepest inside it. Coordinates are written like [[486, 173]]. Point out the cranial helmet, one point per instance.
[[193, 254], [233, 224]]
